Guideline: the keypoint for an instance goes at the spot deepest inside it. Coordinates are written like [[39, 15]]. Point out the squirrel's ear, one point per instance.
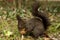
[[18, 17]]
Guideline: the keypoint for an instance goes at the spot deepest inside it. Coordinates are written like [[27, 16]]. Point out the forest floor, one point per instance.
[[9, 30]]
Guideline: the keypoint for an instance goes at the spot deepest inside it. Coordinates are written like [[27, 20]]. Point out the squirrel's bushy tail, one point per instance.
[[43, 16]]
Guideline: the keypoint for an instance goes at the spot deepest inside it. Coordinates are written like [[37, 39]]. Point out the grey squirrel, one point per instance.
[[35, 26]]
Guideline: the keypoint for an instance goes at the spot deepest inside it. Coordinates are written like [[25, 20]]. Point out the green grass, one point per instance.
[[8, 25]]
